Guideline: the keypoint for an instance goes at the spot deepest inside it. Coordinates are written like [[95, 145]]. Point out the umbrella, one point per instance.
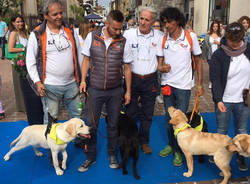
[[93, 16]]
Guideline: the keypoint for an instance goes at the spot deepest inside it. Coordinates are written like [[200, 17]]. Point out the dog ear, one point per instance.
[[173, 121], [71, 130], [244, 145], [232, 147]]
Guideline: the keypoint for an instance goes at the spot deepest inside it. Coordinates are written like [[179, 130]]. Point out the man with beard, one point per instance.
[[106, 54]]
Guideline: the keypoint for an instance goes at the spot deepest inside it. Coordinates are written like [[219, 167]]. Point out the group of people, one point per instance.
[[112, 67]]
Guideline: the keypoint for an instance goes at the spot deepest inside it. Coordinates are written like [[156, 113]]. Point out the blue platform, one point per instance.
[[25, 168]]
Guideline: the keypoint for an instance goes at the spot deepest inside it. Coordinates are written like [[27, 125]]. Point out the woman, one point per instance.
[[245, 21], [18, 35], [230, 75], [211, 42], [84, 29]]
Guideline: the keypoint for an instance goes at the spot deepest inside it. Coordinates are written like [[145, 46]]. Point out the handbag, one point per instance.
[[13, 55]]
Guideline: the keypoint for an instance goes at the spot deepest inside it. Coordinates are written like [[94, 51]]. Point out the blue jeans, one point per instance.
[[179, 99], [68, 94], [112, 98], [240, 113]]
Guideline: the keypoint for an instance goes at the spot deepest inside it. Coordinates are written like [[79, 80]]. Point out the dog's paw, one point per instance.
[[64, 166], [39, 154], [59, 172], [187, 174], [6, 157]]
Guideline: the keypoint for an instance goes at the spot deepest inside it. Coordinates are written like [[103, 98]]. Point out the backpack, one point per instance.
[[190, 41]]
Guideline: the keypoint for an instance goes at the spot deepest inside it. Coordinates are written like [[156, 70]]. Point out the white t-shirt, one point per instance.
[[87, 44], [214, 46], [59, 64], [144, 50], [80, 55], [238, 78], [23, 41], [177, 54]]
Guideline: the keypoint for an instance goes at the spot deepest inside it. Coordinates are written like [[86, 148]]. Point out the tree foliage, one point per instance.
[[8, 7], [78, 12]]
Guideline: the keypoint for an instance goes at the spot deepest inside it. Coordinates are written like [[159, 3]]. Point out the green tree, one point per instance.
[[8, 7], [78, 12]]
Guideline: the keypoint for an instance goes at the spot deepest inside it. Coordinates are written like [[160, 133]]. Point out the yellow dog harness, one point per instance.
[[53, 135]]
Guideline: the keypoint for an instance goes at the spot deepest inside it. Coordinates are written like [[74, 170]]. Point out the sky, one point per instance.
[[104, 2]]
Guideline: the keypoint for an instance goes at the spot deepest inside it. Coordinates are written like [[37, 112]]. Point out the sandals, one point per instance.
[[2, 116]]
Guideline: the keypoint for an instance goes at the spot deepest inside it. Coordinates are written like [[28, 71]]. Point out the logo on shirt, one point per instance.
[[183, 46], [154, 44], [97, 43], [134, 46]]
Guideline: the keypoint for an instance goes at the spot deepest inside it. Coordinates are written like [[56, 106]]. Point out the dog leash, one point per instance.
[[196, 107], [92, 114]]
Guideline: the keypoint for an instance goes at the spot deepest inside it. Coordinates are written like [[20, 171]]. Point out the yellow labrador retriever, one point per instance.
[[64, 132], [193, 142], [240, 144]]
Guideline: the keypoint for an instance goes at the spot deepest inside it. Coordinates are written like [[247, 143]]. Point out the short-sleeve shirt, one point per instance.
[[177, 54], [144, 50], [88, 41], [3, 26]]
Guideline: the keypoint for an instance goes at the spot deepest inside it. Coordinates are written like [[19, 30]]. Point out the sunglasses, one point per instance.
[[62, 43], [235, 28]]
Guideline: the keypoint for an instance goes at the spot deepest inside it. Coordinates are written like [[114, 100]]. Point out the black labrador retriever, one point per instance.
[[128, 142]]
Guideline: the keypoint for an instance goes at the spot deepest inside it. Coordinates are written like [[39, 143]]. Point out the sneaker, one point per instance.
[[113, 164], [210, 85], [177, 159], [211, 159], [146, 149], [86, 165], [166, 151], [242, 165], [159, 99]]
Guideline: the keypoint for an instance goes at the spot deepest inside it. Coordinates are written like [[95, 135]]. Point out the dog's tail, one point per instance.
[[17, 139]]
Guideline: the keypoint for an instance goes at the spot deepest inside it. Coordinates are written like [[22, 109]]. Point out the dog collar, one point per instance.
[[177, 130], [200, 126], [53, 135]]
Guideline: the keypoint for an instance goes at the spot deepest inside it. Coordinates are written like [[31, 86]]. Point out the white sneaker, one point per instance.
[[159, 99], [210, 85]]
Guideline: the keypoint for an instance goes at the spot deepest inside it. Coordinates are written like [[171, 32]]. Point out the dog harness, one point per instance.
[[200, 126], [53, 135], [178, 130]]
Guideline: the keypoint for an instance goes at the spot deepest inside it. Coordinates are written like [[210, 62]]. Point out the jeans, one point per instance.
[[145, 89], [112, 98], [2, 44], [179, 99], [69, 94], [240, 113]]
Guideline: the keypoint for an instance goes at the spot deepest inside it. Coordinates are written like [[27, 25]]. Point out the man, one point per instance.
[[144, 42], [105, 50], [176, 68], [3, 32], [52, 62]]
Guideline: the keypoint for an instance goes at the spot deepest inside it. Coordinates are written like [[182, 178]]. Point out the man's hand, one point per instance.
[[83, 86], [221, 107], [199, 90], [165, 68], [127, 98], [40, 88]]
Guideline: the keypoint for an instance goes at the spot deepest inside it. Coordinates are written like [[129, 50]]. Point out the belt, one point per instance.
[[143, 76]]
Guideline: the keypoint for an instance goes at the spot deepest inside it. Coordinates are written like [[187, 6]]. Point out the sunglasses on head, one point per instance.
[[235, 28]]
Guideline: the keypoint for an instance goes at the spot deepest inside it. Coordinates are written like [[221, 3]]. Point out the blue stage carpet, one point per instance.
[[25, 168]]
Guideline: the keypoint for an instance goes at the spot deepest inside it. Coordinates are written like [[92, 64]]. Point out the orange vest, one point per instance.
[[43, 42]]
